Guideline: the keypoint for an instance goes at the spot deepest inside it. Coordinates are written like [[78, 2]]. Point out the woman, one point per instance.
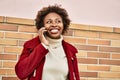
[[48, 56]]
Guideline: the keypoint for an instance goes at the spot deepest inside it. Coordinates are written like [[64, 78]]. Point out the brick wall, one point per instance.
[[98, 46]]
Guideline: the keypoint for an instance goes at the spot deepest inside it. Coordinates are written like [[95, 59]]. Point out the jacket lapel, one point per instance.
[[70, 58]]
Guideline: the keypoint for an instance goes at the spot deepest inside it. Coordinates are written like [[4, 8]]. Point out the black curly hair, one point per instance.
[[56, 9]]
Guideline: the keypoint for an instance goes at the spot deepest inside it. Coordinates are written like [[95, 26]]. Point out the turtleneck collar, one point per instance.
[[54, 43]]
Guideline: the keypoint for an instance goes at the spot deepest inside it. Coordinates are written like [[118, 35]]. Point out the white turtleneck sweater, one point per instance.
[[55, 67]]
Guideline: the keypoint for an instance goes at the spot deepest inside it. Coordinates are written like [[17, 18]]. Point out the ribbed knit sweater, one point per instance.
[[55, 67]]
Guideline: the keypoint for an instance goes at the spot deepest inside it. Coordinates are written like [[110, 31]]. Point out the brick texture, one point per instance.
[[19, 21], [98, 55], [98, 42], [101, 28], [98, 68], [117, 30], [30, 29], [1, 34], [98, 48], [8, 42], [115, 68], [10, 78], [109, 75], [16, 35], [8, 27], [111, 36], [1, 18], [116, 56], [115, 43]]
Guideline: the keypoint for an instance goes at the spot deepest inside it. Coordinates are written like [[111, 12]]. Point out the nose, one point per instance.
[[54, 24]]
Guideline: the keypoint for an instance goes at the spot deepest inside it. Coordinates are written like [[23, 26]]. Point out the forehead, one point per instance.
[[52, 15]]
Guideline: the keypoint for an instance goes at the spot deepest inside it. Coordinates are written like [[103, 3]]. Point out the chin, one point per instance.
[[54, 37]]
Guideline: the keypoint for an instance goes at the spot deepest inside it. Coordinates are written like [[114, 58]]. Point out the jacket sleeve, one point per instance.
[[29, 60]]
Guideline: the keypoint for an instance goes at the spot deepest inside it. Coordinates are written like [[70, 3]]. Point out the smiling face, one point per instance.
[[54, 25]]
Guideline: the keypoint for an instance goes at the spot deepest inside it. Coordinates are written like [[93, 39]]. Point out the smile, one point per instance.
[[54, 31]]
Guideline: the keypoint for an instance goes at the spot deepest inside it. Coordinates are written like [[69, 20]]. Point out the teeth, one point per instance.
[[54, 30]]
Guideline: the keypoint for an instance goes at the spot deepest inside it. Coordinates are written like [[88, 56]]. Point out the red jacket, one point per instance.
[[33, 58]]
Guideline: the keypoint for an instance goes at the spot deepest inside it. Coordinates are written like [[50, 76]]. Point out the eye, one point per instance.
[[48, 22], [58, 21]]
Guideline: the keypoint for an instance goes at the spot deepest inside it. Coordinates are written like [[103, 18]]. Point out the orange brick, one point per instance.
[[10, 78], [82, 67], [86, 47], [99, 68], [109, 75], [87, 61], [98, 42], [81, 54], [1, 34], [0, 64], [75, 40], [2, 71], [98, 55], [101, 28], [7, 71], [109, 62], [95, 78], [21, 42], [117, 30], [8, 42], [8, 57], [115, 43], [116, 56], [1, 56], [110, 36], [19, 21], [115, 68], [18, 35], [1, 49], [110, 49], [87, 34], [1, 19], [7, 27], [13, 49], [88, 74], [31, 29], [8, 64], [79, 26], [83, 78], [69, 33]]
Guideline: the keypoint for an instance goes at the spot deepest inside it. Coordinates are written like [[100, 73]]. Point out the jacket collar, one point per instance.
[[68, 48]]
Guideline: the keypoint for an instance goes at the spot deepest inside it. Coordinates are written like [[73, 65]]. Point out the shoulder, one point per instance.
[[69, 46], [32, 42]]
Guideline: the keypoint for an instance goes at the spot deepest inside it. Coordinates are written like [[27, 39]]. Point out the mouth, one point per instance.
[[54, 30]]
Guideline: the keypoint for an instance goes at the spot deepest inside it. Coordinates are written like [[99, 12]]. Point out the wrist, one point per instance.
[[46, 46]]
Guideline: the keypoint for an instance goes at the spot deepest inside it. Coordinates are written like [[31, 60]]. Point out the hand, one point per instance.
[[42, 36]]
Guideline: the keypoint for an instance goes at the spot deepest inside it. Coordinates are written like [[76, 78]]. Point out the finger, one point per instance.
[[42, 30]]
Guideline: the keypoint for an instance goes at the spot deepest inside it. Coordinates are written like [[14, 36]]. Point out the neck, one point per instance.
[[55, 42]]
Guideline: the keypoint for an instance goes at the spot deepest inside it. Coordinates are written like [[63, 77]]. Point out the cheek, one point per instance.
[[62, 27], [46, 26]]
